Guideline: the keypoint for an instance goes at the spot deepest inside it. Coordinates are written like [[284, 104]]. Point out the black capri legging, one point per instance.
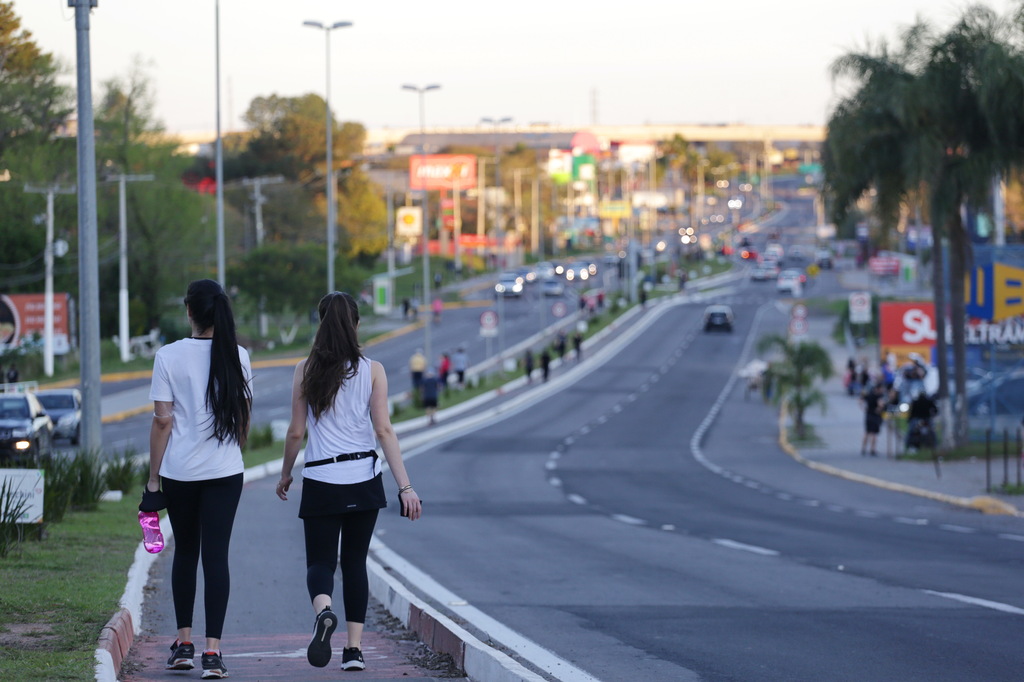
[[354, 530], [202, 514]]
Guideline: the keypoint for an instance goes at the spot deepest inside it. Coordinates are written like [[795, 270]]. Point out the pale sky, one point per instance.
[[563, 62]]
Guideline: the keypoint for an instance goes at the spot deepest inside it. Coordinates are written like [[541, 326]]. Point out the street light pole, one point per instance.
[[122, 293], [498, 217], [421, 91], [329, 175]]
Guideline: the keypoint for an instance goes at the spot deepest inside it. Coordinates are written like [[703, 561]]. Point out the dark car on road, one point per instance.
[[26, 431], [718, 316], [64, 405]]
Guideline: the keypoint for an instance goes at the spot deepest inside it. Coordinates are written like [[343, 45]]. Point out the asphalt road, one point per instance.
[[594, 524]]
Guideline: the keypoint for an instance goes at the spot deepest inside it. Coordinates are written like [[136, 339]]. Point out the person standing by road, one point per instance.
[[528, 365], [545, 364], [202, 400], [577, 344], [460, 361], [560, 342], [340, 399], [417, 365], [431, 394], [874, 407]]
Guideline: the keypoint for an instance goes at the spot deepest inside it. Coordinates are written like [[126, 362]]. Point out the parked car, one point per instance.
[[545, 269], [718, 316], [763, 272], [64, 405], [823, 257], [26, 431]]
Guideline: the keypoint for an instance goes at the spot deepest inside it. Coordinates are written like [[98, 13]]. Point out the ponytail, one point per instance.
[[228, 396], [335, 355]]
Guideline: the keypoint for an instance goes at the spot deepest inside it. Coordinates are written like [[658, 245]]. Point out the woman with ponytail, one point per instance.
[[202, 397], [340, 398]]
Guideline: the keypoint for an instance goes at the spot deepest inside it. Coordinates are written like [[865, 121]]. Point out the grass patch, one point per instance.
[[60, 592], [810, 439]]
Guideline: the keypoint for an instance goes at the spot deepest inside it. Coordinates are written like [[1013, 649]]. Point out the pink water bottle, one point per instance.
[[152, 538]]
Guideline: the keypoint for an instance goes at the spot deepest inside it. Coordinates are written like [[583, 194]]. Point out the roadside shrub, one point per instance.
[[260, 437], [60, 485], [123, 472], [90, 483], [11, 508]]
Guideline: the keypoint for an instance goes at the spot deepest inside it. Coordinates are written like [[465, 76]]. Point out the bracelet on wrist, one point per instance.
[[404, 488]]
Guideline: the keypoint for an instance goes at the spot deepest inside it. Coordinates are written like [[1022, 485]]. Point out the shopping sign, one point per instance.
[[907, 324], [442, 172]]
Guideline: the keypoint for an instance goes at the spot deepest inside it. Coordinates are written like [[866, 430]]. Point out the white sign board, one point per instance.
[[22, 489], [488, 323], [860, 307]]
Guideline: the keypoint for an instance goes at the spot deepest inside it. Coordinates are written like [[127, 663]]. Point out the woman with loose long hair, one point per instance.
[[202, 399], [340, 398]]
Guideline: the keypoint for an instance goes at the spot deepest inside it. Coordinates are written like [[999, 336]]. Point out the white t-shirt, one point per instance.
[[346, 427], [181, 372]]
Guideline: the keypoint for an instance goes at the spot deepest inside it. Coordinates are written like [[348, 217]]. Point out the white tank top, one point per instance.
[[345, 427]]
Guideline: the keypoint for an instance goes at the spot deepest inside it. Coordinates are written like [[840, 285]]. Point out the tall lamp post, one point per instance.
[[498, 217], [421, 91], [330, 148]]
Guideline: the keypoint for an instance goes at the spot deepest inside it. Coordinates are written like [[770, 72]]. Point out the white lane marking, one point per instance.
[[732, 544], [550, 465], [975, 601], [584, 430], [555, 481], [810, 503], [784, 496], [557, 667], [1011, 536], [867, 514], [910, 522], [576, 499], [631, 520], [668, 526], [836, 508], [957, 529]]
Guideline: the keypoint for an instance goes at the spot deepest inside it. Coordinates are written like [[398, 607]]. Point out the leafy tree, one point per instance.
[[166, 232], [934, 114], [803, 364]]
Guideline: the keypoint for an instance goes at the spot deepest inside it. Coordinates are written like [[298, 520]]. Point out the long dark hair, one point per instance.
[[228, 396], [335, 355]]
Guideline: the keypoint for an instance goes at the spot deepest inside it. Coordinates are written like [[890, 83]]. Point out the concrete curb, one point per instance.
[[982, 503]]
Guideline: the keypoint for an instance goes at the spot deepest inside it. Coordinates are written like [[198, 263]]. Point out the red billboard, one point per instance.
[[906, 328], [23, 316], [442, 172]]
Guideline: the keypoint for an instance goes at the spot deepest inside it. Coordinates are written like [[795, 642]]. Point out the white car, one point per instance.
[[552, 287], [509, 285], [789, 282]]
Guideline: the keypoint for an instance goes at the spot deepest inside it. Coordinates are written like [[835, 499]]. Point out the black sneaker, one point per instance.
[[318, 653], [213, 666], [182, 654], [352, 659]]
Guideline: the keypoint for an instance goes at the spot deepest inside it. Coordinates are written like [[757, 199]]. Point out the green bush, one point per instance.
[[60, 485], [11, 509], [260, 437], [123, 472], [90, 483]]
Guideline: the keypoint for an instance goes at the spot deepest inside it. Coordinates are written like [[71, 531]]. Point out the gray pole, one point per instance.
[[221, 268], [88, 241], [330, 170], [122, 294]]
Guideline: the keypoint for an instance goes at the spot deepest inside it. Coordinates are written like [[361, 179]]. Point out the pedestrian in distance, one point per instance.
[[202, 400], [874, 406], [12, 374], [437, 306], [577, 345], [417, 365], [340, 401], [444, 368], [460, 361], [560, 343], [545, 364], [431, 394], [528, 365]]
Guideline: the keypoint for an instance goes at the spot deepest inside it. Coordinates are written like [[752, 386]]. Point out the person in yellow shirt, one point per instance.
[[417, 365]]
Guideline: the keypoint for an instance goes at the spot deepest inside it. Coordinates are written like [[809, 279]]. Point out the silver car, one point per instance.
[[64, 405]]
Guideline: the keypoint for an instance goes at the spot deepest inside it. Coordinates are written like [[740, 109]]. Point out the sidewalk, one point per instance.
[[841, 430]]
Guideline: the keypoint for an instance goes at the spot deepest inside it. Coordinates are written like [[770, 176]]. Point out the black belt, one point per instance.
[[344, 457]]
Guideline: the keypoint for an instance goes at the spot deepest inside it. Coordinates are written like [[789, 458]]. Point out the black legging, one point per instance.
[[202, 514], [355, 530]]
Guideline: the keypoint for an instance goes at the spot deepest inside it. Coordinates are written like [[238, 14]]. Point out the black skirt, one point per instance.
[[326, 499]]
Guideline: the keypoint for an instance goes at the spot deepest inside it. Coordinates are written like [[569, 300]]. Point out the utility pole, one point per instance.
[[258, 200], [122, 293], [49, 191], [88, 240], [536, 243]]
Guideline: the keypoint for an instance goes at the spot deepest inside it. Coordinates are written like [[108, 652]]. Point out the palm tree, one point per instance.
[[794, 376], [942, 112]]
